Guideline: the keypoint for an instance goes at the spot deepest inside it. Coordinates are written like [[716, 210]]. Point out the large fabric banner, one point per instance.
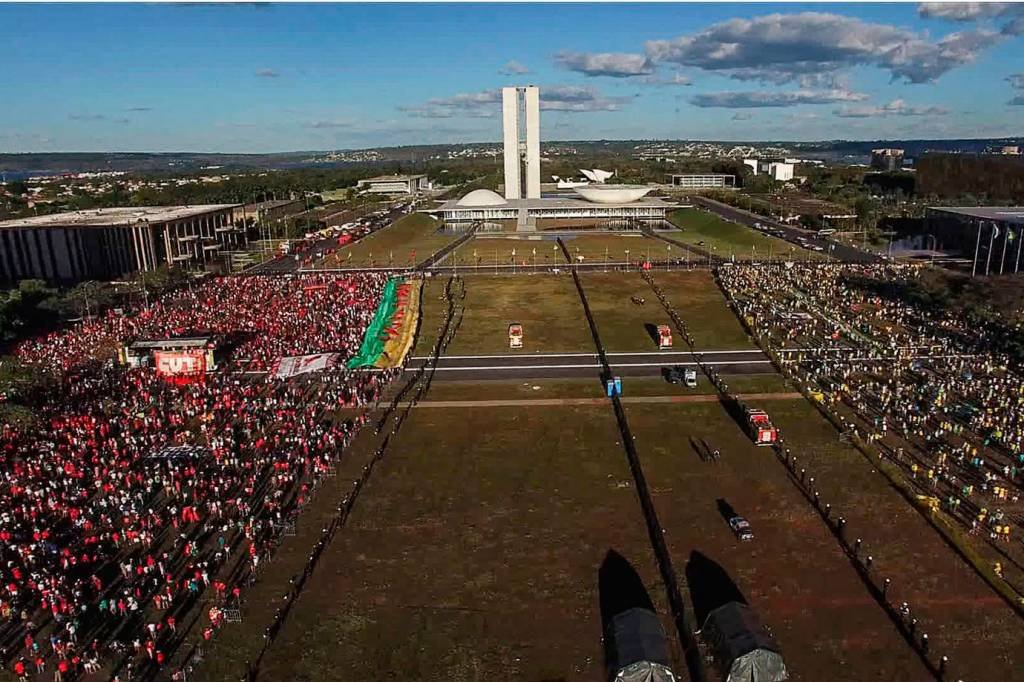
[[176, 363], [301, 364], [376, 335]]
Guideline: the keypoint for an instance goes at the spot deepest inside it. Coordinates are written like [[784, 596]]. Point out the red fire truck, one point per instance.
[[760, 427]]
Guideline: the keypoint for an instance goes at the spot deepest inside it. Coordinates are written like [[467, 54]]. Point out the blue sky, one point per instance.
[[280, 77]]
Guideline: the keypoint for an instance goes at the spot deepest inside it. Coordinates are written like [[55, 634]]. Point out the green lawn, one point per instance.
[[498, 250], [793, 573], [594, 247], [624, 325], [409, 240], [473, 554], [704, 309], [549, 309], [724, 238], [547, 306]]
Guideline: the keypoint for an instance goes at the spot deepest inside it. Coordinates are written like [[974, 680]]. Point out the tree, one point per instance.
[[17, 187]]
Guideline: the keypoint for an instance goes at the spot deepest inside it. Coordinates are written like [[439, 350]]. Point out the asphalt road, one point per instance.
[[839, 251], [587, 365], [282, 265]]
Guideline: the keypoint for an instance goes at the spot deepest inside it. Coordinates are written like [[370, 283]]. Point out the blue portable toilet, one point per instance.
[[609, 387], [618, 385]]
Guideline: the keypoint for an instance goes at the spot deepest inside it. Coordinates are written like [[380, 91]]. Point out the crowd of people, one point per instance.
[[927, 388], [258, 319], [138, 510]]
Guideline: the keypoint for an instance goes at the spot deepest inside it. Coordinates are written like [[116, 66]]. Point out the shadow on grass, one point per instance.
[[631, 627], [710, 586]]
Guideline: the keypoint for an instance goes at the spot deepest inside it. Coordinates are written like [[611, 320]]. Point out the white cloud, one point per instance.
[[675, 79], [324, 124], [897, 107], [780, 48], [575, 98], [758, 99], [613, 64], [513, 68], [486, 104], [1012, 12], [963, 11]]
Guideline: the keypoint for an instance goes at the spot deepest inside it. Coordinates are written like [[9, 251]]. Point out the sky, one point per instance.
[[288, 77]]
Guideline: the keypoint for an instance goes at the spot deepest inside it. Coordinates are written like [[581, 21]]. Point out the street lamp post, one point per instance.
[[991, 240]]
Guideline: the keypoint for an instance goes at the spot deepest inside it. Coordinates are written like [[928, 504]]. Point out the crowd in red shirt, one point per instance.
[[107, 545]]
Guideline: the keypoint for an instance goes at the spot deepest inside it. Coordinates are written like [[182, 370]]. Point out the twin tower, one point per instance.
[[517, 153]]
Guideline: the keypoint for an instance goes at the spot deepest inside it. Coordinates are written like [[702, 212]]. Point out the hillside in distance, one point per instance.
[[49, 163]]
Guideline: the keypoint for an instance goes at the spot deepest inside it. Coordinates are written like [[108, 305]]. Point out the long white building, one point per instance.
[[105, 243], [702, 180]]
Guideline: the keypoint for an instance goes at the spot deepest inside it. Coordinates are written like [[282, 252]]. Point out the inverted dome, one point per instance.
[[612, 194], [482, 197]]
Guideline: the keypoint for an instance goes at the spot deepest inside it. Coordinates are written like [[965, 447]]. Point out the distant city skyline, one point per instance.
[[283, 77]]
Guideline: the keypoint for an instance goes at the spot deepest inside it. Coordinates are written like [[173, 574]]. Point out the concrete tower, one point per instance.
[[510, 128], [516, 155]]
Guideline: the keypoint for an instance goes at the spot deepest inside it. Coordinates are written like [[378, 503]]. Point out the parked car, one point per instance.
[[673, 375], [741, 528]]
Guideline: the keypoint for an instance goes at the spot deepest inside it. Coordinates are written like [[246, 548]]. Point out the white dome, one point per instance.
[[482, 197], [612, 194]]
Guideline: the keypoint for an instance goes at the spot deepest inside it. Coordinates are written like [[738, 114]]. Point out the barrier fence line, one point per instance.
[[691, 651], [908, 627], [862, 563], [704, 254], [445, 251], [421, 381]]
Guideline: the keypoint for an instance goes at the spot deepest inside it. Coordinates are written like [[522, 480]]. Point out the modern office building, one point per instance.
[[991, 236], [393, 184], [106, 243], [781, 171], [887, 159], [521, 153], [273, 209], [702, 180]]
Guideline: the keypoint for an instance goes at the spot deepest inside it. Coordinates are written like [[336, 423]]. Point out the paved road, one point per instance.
[[286, 264], [839, 251], [576, 365]]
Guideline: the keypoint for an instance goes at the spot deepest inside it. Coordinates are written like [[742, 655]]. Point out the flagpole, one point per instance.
[[1016, 266], [991, 241], [977, 245], [1002, 259]]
